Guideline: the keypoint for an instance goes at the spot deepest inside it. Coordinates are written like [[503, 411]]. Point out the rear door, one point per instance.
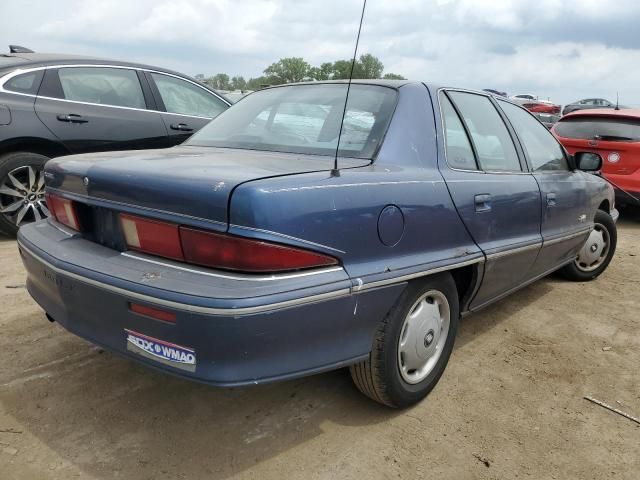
[[97, 108], [566, 206], [186, 106], [497, 199]]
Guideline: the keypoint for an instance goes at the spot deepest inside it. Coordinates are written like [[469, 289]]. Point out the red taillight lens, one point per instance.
[[63, 211], [215, 250], [152, 236], [237, 253]]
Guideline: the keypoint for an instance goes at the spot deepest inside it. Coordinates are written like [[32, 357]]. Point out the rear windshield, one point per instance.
[[304, 119], [599, 128]]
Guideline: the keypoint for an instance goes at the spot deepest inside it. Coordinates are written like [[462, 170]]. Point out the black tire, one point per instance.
[[9, 163], [577, 273], [379, 377]]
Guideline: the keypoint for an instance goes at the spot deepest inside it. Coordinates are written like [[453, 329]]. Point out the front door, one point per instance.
[[497, 200], [565, 194], [98, 108]]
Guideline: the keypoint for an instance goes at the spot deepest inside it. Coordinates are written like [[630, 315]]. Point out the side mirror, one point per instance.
[[588, 162]]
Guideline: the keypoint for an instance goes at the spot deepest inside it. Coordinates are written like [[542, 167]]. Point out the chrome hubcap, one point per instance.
[[22, 196], [595, 249], [423, 336]]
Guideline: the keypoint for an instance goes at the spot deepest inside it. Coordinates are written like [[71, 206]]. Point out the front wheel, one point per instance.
[[596, 254], [412, 344]]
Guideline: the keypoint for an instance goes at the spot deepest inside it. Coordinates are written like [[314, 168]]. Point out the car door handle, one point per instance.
[[183, 127], [71, 118], [551, 199], [482, 202]]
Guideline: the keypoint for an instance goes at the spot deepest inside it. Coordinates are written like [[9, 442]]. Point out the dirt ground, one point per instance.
[[510, 404]]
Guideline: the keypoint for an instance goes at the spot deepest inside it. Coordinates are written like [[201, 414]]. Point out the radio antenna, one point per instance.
[[617, 101], [335, 171]]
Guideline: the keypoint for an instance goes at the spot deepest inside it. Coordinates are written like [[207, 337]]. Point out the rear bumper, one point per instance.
[[240, 333]]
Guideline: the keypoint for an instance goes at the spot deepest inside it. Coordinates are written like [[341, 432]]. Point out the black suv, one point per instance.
[[53, 105]]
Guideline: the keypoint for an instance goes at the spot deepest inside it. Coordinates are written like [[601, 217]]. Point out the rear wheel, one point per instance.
[[21, 190], [412, 344], [596, 254]]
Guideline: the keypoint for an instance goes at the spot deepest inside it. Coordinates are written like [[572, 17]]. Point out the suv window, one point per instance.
[[542, 149], [25, 83], [459, 151], [106, 86], [599, 128], [180, 96], [493, 144]]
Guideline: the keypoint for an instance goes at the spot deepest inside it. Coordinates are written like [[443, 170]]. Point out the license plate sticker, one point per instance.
[[166, 353]]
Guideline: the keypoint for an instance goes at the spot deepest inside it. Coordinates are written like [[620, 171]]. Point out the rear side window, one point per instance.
[[185, 98], [599, 128], [542, 149], [25, 83], [495, 148], [106, 86], [459, 152]]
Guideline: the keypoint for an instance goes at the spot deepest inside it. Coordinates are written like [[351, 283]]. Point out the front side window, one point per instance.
[[459, 152], [305, 119], [493, 144], [542, 149], [105, 86], [185, 98], [24, 83]]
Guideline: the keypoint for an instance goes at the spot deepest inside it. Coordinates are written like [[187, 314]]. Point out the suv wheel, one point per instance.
[[21, 190], [412, 344]]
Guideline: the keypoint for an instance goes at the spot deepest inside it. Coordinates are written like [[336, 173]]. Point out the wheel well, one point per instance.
[[41, 146], [604, 206], [465, 278]]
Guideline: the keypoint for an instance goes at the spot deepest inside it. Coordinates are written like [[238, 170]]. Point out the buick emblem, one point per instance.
[[85, 181]]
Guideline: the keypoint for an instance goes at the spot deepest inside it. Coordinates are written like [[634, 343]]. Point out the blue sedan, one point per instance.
[[250, 254]]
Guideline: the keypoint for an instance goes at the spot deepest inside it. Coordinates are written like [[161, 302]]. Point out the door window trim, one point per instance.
[[19, 71], [524, 164], [524, 153]]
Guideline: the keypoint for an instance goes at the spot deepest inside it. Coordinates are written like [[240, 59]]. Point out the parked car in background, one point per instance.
[[53, 105], [255, 252], [547, 119], [589, 104], [614, 135], [495, 92], [535, 105]]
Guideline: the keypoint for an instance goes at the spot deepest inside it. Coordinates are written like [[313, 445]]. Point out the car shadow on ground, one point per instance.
[[111, 417]]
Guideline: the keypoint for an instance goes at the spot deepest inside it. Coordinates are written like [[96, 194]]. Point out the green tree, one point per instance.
[[238, 83], [259, 82], [323, 72], [341, 69], [220, 81], [368, 66], [393, 76], [288, 70]]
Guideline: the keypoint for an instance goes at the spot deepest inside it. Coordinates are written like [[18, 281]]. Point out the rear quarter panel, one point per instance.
[[340, 214]]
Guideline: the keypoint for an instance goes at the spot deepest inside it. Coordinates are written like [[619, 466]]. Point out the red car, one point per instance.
[[615, 136]]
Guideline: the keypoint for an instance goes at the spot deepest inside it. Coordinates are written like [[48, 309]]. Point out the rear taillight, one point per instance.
[[151, 236], [216, 250], [236, 253], [63, 210]]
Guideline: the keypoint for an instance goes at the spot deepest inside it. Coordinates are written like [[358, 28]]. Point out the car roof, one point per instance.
[[605, 112], [10, 61]]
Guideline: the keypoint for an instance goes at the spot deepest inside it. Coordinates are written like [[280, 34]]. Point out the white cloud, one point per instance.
[[564, 49]]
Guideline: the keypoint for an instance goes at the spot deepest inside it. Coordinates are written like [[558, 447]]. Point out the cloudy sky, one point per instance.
[[558, 49]]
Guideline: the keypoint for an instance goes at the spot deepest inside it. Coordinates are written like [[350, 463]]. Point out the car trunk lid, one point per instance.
[[189, 181]]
